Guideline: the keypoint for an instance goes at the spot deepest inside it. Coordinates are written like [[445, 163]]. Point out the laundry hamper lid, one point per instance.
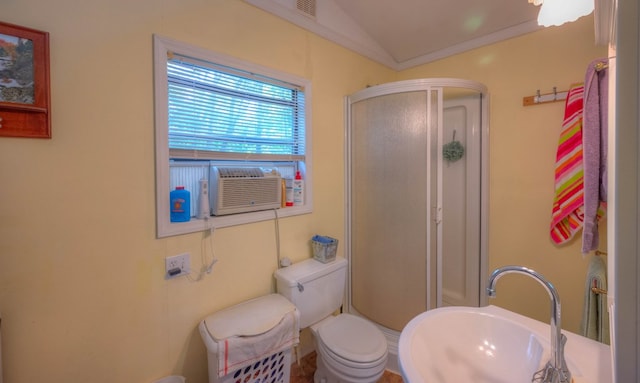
[[249, 318], [353, 338]]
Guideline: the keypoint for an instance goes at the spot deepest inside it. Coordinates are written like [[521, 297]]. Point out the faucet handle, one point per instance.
[[566, 374], [550, 374]]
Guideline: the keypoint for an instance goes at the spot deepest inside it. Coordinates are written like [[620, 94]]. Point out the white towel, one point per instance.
[[241, 351]]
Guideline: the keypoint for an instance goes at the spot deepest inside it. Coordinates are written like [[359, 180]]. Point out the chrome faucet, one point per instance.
[[556, 370]]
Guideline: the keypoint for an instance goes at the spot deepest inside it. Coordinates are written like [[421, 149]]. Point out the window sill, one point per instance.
[[168, 229]]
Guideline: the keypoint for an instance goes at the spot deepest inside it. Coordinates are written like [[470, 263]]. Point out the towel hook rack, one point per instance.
[[538, 98]]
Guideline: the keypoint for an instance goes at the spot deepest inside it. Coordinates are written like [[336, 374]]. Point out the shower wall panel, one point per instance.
[[460, 205]]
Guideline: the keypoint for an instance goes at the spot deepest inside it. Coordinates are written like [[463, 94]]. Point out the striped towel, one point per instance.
[[568, 206]]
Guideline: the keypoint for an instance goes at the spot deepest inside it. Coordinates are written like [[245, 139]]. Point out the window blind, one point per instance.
[[216, 112]]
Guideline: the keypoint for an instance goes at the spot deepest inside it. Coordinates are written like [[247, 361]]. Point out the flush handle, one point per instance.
[[300, 287]]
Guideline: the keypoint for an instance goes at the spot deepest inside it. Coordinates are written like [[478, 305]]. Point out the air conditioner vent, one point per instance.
[[307, 7], [240, 172], [241, 190]]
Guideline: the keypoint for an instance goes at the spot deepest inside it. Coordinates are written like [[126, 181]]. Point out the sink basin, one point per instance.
[[490, 345]]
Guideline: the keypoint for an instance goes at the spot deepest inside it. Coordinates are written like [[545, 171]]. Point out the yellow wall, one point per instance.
[[523, 142], [82, 294]]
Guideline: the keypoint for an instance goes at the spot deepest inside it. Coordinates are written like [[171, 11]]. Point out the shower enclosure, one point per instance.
[[417, 183]]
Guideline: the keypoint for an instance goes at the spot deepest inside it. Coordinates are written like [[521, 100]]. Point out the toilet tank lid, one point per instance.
[[307, 270], [253, 317]]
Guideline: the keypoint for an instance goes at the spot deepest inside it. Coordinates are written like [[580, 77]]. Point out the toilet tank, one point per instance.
[[315, 288]]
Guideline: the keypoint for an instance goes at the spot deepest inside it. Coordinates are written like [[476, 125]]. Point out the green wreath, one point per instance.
[[453, 151]]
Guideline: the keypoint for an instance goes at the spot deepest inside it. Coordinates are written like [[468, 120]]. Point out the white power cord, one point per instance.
[[277, 229], [207, 267]]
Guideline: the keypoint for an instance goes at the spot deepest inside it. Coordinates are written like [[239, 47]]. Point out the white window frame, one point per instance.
[[164, 227]]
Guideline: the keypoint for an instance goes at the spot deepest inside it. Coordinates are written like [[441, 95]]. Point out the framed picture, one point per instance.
[[24, 82]]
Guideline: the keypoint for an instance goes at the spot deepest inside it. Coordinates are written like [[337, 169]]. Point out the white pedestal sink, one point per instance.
[[490, 345]]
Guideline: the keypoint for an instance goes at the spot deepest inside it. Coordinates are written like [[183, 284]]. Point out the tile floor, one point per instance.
[[303, 373]]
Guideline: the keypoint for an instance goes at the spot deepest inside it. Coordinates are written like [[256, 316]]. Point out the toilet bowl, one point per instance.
[[349, 348]]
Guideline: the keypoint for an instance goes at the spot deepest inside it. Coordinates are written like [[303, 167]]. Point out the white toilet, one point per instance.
[[349, 348]]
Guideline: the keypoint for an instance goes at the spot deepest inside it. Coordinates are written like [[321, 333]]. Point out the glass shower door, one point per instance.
[[391, 166], [416, 228]]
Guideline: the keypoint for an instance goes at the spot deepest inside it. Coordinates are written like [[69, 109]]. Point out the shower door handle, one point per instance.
[[437, 214]]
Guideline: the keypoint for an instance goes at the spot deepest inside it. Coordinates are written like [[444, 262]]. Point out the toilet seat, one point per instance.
[[352, 341], [343, 364]]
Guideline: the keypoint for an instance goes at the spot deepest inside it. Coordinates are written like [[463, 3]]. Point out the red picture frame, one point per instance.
[[25, 96]]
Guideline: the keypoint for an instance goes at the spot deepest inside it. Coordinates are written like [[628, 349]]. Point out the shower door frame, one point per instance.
[[428, 86]]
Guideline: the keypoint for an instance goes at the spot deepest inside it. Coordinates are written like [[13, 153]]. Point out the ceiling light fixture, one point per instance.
[[558, 12]]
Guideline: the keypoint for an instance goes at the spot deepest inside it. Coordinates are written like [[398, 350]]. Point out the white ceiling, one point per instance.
[[404, 33]]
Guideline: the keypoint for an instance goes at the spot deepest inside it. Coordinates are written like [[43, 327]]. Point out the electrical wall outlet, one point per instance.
[[177, 265]]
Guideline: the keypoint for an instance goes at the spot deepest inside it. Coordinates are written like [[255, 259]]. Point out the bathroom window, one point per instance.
[[213, 110]]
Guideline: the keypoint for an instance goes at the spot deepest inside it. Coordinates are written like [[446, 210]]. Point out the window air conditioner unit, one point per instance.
[[241, 190]]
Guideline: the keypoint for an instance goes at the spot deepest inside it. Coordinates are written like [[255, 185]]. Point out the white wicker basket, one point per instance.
[[275, 368]]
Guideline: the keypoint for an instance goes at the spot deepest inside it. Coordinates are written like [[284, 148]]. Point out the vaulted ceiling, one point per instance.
[[404, 33]]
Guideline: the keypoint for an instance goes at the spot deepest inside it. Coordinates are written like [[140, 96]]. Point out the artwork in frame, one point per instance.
[[25, 100]]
